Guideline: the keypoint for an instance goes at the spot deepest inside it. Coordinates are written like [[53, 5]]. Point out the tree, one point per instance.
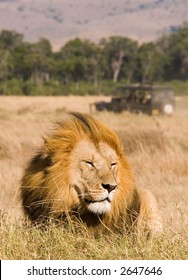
[[10, 40], [150, 63], [118, 53], [5, 64], [175, 46], [34, 61], [78, 60]]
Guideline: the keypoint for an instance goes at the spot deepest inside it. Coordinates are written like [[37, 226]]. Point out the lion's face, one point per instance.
[[95, 175]]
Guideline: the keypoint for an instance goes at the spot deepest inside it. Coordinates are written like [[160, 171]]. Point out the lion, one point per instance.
[[82, 172]]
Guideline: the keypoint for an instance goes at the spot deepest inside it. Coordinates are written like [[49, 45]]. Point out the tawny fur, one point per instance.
[[55, 182]]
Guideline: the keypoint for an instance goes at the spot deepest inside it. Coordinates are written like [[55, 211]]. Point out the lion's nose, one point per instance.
[[109, 187]]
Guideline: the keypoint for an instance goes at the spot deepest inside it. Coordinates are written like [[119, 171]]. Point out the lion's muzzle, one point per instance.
[[109, 187]]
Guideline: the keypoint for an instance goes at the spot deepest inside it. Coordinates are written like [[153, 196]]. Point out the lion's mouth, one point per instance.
[[87, 201], [98, 207]]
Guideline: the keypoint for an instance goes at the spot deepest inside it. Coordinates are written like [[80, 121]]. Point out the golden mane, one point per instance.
[[47, 188]]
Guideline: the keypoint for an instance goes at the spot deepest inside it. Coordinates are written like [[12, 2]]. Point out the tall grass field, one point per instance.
[[156, 147]]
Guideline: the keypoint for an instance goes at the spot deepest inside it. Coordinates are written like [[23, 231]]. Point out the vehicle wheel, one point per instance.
[[167, 109]]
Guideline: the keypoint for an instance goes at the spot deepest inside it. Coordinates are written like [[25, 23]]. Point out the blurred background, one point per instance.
[[52, 47]]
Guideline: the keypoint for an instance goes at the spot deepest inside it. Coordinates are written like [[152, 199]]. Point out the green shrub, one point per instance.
[[180, 87], [55, 88], [11, 87]]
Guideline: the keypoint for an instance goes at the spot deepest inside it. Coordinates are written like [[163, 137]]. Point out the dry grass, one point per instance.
[[157, 147], [68, 243]]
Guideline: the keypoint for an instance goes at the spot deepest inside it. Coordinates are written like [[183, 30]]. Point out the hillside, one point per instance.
[[59, 21]]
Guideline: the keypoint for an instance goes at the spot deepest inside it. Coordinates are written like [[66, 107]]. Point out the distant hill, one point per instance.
[[60, 21]]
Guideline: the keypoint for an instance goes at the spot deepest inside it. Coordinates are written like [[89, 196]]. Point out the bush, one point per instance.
[[11, 87], [180, 87], [47, 89], [55, 88]]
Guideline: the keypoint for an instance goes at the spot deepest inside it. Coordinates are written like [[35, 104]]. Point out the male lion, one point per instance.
[[81, 171]]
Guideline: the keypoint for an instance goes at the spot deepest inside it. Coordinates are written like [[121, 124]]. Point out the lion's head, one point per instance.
[[81, 170], [94, 173]]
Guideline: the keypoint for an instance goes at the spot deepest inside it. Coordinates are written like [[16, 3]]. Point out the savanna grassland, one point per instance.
[[157, 148]]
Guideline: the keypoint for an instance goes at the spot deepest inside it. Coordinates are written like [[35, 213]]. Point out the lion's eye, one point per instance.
[[90, 163], [113, 164]]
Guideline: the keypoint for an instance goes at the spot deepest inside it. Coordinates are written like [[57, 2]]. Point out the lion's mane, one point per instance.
[[47, 189]]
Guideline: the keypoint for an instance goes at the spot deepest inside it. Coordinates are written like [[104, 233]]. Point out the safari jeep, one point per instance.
[[149, 99]]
